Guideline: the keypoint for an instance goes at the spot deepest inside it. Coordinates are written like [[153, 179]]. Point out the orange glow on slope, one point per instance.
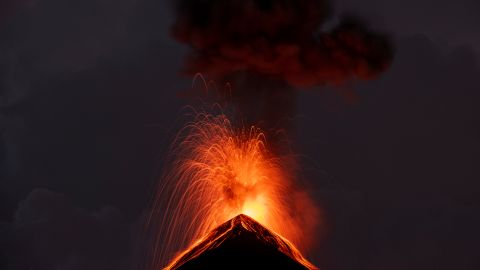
[[225, 231], [217, 173]]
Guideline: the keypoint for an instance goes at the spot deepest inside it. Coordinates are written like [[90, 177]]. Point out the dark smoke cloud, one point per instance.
[[265, 49], [283, 39]]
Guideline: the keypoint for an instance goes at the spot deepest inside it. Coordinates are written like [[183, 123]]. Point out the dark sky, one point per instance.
[[89, 101]]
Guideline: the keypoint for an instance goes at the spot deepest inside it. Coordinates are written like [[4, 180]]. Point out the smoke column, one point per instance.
[[266, 48]]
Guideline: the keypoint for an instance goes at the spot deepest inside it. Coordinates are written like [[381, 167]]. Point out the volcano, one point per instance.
[[241, 243]]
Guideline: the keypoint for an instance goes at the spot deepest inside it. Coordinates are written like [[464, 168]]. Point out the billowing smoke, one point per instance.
[[265, 48], [278, 38]]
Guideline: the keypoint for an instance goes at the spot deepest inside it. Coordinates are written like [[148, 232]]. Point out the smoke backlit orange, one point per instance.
[[217, 172]]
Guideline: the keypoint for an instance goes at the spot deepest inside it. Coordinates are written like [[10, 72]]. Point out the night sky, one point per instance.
[[90, 100]]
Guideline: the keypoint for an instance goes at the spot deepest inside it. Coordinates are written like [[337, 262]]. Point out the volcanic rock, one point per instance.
[[241, 243]]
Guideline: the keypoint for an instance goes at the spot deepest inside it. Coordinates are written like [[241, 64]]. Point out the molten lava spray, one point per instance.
[[217, 172]]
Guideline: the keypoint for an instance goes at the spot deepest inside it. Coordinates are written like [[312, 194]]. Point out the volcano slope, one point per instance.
[[241, 243]]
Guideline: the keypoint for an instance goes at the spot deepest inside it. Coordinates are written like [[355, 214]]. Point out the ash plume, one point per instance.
[[267, 48], [278, 38]]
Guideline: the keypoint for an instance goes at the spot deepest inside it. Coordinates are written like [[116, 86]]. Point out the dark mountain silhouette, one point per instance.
[[241, 243]]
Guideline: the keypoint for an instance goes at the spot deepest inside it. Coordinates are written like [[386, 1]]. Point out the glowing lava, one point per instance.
[[217, 173]]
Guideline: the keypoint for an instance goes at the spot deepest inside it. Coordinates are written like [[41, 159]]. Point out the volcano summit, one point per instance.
[[241, 243]]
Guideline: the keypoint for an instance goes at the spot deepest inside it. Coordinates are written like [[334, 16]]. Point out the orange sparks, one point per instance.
[[217, 173]]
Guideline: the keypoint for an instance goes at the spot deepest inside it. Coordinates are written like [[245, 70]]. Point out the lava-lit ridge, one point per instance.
[[241, 243]]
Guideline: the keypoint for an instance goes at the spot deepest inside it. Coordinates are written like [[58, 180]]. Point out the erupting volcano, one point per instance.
[[218, 172], [221, 169]]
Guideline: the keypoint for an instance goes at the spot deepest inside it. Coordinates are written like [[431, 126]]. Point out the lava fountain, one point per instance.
[[217, 172]]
